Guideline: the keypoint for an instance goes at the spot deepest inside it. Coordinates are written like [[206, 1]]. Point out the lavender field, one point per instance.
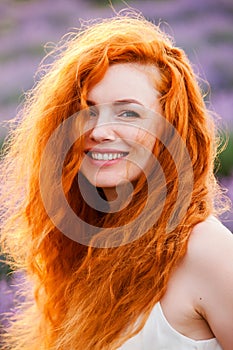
[[204, 29]]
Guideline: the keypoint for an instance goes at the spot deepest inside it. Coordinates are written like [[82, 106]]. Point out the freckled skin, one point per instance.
[[119, 129]]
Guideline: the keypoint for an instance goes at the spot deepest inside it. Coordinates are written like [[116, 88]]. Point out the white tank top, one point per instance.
[[158, 334]]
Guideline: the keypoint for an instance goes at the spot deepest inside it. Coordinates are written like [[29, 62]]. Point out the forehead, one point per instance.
[[126, 81]]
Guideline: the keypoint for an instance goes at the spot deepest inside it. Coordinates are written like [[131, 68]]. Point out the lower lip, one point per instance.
[[103, 163]]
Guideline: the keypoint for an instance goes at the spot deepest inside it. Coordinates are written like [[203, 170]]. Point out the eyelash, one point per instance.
[[92, 113], [124, 114], [132, 114]]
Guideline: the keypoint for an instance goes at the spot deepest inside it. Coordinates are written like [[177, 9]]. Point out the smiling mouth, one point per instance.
[[106, 155]]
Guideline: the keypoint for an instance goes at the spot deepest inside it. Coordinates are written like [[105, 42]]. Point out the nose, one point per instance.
[[103, 129]]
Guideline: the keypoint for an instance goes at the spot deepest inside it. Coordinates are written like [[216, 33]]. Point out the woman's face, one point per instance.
[[121, 125]]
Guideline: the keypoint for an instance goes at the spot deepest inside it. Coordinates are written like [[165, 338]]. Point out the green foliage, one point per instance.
[[1, 144], [23, 1], [5, 270], [220, 36], [105, 2], [6, 25], [225, 167], [32, 50]]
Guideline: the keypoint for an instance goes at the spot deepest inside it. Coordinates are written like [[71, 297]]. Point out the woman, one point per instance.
[[110, 197]]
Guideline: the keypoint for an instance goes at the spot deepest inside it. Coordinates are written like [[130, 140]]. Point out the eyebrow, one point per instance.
[[118, 102]]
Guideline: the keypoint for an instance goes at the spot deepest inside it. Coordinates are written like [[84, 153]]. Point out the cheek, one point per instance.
[[142, 149], [146, 140], [140, 136]]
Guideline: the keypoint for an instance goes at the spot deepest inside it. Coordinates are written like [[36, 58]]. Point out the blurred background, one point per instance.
[[203, 28]]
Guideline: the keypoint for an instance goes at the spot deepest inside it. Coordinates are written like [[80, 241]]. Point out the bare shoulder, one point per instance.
[[210, 248], [210, 261], [209, 240]]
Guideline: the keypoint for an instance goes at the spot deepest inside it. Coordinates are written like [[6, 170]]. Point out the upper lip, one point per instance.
[[104, 150]]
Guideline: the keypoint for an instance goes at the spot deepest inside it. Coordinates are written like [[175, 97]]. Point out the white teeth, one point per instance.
[[106, 156]]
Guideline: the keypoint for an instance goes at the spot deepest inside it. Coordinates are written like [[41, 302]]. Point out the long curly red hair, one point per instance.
[[84, 297]]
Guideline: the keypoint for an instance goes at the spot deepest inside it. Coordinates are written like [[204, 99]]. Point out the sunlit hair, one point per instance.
[[86, 297]]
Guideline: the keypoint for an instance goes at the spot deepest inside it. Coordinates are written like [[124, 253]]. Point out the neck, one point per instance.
[[119, 197]]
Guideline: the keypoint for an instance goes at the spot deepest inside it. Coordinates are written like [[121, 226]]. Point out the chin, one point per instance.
[[104, 184]]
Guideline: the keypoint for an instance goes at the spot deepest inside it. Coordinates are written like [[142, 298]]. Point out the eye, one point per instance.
[[92, 112], [129, 114]]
